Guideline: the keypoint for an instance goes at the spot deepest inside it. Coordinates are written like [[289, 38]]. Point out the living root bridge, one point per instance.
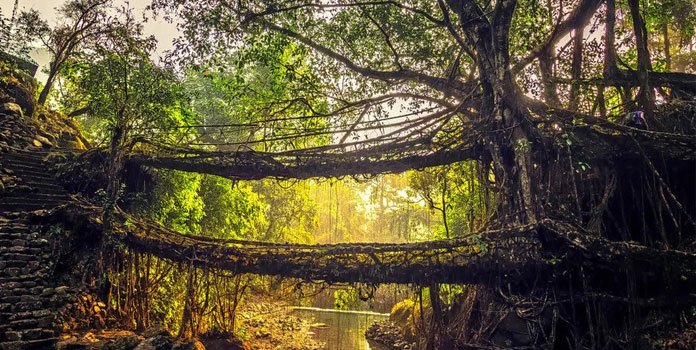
[[513, 254], [251, 165], [594, 140]]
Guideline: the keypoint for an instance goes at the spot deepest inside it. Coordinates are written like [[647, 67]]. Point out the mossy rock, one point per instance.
[[125, 343], [12, 108], [18, 87]]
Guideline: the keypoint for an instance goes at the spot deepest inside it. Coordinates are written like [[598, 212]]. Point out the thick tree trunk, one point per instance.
[[646, 95], [43, 96], [439, 337], [610, 68], [668, 55], [576, 70], [547, 79], [508, 142], [444, 205]]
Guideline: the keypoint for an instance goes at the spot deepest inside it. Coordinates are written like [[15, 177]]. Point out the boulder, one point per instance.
[[222, 341], [69, 140], [189, 345], [156, 331], [160, 342], [12, 108], [123, 343], [44, 141], [20, 88]]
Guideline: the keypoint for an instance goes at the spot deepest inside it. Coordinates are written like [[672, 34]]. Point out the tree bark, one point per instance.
[[610, 67], [547, 79], [52, 74], [646, 95], [576, 69], [668, 55]]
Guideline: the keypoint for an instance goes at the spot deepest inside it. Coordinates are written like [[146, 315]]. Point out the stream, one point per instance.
[[338, 329]]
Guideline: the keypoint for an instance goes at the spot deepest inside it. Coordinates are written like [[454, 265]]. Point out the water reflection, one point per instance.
[[340, 330]]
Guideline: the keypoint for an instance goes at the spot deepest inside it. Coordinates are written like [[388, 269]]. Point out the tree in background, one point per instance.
[[16, 32], [456, 193], [235, 95], [83, 24]]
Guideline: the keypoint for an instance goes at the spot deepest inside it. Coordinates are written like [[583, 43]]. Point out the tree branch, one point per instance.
[[579, 18], [439, 84]]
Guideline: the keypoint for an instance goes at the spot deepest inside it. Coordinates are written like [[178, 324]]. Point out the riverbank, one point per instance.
[[386, 335], [271, 325], [262, 326]]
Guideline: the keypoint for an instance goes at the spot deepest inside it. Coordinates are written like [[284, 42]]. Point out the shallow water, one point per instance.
[[343, 330]]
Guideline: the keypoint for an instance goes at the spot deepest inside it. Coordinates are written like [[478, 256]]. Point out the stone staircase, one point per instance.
[[27, 298], [38, 188]]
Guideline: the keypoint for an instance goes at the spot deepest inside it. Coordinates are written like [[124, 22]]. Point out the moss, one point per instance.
[[19, 87]]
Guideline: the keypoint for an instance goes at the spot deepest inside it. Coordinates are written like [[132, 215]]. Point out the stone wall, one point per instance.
[[27, 300]]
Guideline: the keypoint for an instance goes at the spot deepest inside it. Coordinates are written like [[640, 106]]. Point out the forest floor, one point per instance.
[[263, 326]]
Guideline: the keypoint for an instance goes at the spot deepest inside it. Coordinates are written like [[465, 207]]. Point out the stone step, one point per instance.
[[40, 344], [10, 243], [42, 178], [8, 264], [33, 157], [24, 163], [31, 323], [8, 203], [29, 163], [21, 250], [38, 290], [17, 165], [29, 190], [24, 306], [13, 228], [36, 196], [7, 236], [27, 281], [34, 153], [25, 170], [43, 186], [18, 205], [22, 247], [12, 217], [46, 176], [10, 221]]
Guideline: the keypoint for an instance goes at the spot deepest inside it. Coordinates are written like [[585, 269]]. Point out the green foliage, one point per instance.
[[175, 201], [408, 315], [11, 74], [395, 214], [231, 210], [531, 27], [346, 299], [131, 92], [240, 93], [456, 189], [18, 32], [290, 215], [217, 207]]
